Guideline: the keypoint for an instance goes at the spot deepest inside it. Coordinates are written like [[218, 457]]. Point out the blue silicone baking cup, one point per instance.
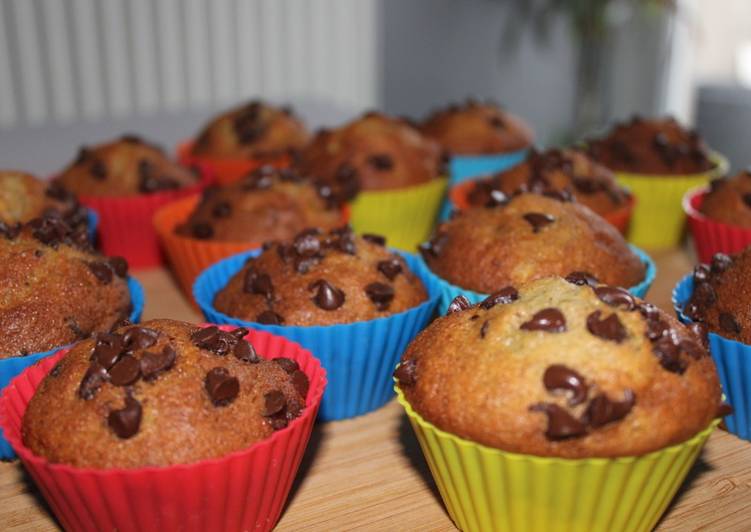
[[733, 361], [12, 366], [450, 291], [359, 357], [92, 219]]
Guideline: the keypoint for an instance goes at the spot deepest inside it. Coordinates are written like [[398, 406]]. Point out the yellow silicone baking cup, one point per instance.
[[658, 219], [404, 216], [488, 489]]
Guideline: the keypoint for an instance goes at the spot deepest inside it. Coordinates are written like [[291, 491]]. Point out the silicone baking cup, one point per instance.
[[245, 490], [404, 216], [487, 489], [125, 227], [733, 361], [12, 366], [226, 170], [92, 221], [359, 357], [449, 291], [619, 218], [658, 218], [190, 256], [711, 236]]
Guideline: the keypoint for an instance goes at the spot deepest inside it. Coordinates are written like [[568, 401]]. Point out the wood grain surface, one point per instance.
[[368, 473]]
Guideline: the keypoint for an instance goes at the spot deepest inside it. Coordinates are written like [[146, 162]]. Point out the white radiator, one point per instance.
[[73, 61]]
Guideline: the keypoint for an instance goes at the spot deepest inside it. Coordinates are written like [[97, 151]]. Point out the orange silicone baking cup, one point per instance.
[[245, 490], [188, 256], [225, 169], [619, 218]]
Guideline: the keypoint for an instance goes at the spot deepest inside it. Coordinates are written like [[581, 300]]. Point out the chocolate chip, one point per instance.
[[273, 403], [615, 297], [669, 355], [378, 240], [728, 323], [721, 262], [657, 328], [548, 320], [497, 122], [221, 386], [700, 330], [119, 265], [559, 377], [221, 210], [307, 244], [126, 371], [212, 339], [98, 170], [701, 273], [602, 410], [269, 317], [747, 199], [101, 271], [561, 424], [92, 380], [704, 295], [327, 296], [287, 364], [582, 279], [301, 383], [259, 283], [458, 304], [154, 364], [504, 296], [406, 372], [203, 230], [245, 352], [304, 264], [204, 336], [381, 161], [434, 247], [497, 198], [380, 294], [724, 410], [140, 338], [484, 328], [108, 349], [609, 328], [538, 220], [390, 268], [126, 421]]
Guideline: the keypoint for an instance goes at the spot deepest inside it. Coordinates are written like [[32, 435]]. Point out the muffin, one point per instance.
[[253, 130], [569, 171], [268, 204], [124, 168], [729, 200], [321, 279], [55, 288], [158, 394], [475, 128], [653, 147], [529, 236]]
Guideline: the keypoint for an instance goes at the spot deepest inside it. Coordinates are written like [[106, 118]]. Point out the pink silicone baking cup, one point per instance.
[[245, 490], [227, 170], [125, 227], [711, 236]]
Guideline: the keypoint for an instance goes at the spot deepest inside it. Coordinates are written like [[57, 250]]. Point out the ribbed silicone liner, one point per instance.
[[245, 490], [733, 361], [450, 291], [404, 216], [486, 489], [187, 257], [658, 218], [226, 170], [711, 236], [12, 366], [359, 357]]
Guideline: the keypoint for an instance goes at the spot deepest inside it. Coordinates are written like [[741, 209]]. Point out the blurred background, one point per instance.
[[77, 71]]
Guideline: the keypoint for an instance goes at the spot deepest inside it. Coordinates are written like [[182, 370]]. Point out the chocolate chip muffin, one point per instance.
[[721, 294], [125, 167], [268, 204], [54, 289], [525, 237], [253, 130], [555, 368], [476, 128], [321, 279], [653, 147], [159, 394], [375, 152], [729, 200], [23, 197], [569, 171]]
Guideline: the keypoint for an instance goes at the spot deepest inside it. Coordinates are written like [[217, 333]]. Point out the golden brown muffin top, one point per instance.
[[475, 128], [54, 289], [161, 393], [322, 279], [252, 130], [125, 167], [552, 368], [568, 171], [526, 237], [374, 152], [267, 204], [729, 200], [652, 146], [722, 292]]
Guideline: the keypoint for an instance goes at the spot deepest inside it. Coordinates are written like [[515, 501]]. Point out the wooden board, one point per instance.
[[368, 473]]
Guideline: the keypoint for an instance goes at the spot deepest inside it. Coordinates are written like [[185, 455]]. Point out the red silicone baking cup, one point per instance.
[[245, 490], [619, 218], [125, 227], [227, 170], [187, 256], [711, 236]]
